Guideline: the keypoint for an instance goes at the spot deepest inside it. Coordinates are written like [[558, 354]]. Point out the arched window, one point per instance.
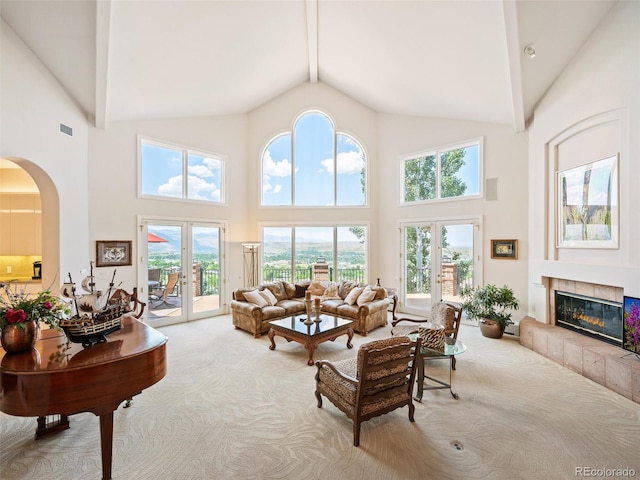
[[313, 166]]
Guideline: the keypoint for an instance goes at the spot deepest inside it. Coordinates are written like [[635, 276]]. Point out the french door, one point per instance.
[[439, 259], [181, 265]]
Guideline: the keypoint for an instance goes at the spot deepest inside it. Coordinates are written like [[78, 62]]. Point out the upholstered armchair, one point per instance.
[[378, 381], [442, 313]]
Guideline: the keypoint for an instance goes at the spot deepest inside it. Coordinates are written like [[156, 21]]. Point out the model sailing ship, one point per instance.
[[94, 314]]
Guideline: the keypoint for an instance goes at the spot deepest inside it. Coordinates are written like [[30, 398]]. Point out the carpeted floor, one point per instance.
[[230, 408]]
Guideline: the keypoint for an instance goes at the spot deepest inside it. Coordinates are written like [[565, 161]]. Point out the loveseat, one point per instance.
[[252, 308]]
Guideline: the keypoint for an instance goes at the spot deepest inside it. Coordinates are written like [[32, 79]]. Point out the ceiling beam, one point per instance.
[[514, 54], [312, 39], [103, 23]]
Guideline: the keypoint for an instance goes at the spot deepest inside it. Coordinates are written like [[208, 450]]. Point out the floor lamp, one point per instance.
[[250, 252]]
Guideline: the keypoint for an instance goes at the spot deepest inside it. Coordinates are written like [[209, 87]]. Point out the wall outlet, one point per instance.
[[8, 269]]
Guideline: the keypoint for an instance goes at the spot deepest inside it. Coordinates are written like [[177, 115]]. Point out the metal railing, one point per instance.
[[306, 273]]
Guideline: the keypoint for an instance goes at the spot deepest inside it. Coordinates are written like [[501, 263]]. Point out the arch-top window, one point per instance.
[[181, 173], [313, 166]]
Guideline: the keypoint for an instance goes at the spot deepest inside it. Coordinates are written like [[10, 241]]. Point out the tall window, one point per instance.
[[181, 173], [313, 166], [443, 173], [290, 253]]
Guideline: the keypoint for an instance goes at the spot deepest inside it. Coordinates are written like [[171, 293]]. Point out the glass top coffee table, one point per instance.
[[294, 329]]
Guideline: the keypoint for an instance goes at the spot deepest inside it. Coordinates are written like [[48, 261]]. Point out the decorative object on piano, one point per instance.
[[94, 314], [21, 314]]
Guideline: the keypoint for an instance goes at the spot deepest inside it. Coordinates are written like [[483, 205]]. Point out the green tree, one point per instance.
[[420, 177]]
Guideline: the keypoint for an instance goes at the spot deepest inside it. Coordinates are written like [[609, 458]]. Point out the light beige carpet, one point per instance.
[[230, 408]]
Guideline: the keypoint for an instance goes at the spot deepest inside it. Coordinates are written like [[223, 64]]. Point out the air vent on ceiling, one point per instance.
[[66, 130]]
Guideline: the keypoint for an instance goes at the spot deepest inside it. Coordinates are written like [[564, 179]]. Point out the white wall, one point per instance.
[[505, 158], [113, 200], [591, 111], [32, 106]]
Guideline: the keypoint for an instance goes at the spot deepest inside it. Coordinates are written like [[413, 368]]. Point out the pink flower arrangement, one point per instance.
[[18, 307]]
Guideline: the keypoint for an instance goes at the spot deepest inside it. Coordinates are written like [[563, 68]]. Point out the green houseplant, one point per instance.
[[491, 306]]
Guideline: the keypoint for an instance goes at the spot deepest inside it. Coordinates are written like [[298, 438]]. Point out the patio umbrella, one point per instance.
[[152, 238]]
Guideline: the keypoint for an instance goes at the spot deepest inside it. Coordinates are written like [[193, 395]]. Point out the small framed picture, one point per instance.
[[113, 253], [504, 249]]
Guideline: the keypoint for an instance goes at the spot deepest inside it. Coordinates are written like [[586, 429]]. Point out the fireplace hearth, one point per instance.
[[590, 316]]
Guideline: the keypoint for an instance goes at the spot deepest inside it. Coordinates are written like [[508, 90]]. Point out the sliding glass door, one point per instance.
[[180, 264], [439, 259]]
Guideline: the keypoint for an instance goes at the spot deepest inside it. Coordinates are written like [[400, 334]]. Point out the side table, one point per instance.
[[431, 354]]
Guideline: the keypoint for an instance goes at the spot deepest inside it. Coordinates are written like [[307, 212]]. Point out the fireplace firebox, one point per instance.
[[595, 317]]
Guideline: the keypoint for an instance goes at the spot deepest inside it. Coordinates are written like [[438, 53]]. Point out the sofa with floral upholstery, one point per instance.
[[252, 308]]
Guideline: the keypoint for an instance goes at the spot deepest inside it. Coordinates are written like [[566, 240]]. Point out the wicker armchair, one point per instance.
[[442, 313], [378, 381]]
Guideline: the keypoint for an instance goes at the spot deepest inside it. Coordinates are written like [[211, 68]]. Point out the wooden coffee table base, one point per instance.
[[310, 342]]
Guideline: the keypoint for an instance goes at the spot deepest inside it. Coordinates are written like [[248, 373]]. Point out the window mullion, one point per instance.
[[185, 174]]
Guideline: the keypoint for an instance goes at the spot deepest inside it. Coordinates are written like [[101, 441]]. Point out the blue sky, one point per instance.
[[314, 166]]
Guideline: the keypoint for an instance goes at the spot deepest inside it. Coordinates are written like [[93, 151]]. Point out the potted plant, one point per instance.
[[491, 306]]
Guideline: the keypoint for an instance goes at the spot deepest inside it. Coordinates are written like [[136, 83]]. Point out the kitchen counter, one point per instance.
[[5, 279]]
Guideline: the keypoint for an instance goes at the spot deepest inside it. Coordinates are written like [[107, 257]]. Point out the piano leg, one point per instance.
[[106, 443]]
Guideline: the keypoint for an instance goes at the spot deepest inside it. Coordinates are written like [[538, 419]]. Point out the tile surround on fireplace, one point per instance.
[[603, 363]]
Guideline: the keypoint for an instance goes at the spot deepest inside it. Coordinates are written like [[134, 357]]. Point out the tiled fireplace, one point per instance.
[[599, 359]]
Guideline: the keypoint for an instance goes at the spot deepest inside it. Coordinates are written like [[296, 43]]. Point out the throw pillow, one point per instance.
[[353, 295], [365, 296], [316, 288], [255, 298], [290, 289], [301, 288], [331, 293], [345, 287], [443, 314], [269, 297], [278, 290]]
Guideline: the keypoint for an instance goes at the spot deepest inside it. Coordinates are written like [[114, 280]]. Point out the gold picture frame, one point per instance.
[[113, 253], [504, 249]]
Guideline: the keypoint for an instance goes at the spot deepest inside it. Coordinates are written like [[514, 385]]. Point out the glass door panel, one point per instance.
[[456, 260], [164, 272], [417, 267], [205, 291]]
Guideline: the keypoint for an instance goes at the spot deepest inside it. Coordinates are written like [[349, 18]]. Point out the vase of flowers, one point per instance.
[[22, 314]]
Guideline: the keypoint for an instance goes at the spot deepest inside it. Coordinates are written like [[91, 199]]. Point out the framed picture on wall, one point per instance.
[[504, 249], [588, 205], [113, 253]]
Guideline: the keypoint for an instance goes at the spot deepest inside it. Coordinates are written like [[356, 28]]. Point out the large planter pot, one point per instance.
[[491, 329], [17, 338]]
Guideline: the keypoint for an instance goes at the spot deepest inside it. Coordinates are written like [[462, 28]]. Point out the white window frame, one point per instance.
[[186, 151], [437, 152]]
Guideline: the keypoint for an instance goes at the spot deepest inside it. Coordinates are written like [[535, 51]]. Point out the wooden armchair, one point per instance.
[[442, 313], [378, 381]]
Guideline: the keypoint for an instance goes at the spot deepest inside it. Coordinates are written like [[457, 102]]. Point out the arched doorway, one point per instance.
[[49, 228]]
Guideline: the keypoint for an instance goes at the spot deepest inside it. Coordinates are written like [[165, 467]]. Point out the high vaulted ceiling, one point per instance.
[[456, 59]]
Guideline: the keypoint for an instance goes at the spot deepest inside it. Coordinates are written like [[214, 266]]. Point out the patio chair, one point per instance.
[[378, 381], [163, 291]]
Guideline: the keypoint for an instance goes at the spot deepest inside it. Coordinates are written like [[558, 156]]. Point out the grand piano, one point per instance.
[[61, 378]]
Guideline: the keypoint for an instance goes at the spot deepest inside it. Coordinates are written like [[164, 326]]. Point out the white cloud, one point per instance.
[[348, 163], [201, 171], [201, 189], [267, 187], [172, 188], [276, 169], [198, 188]]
